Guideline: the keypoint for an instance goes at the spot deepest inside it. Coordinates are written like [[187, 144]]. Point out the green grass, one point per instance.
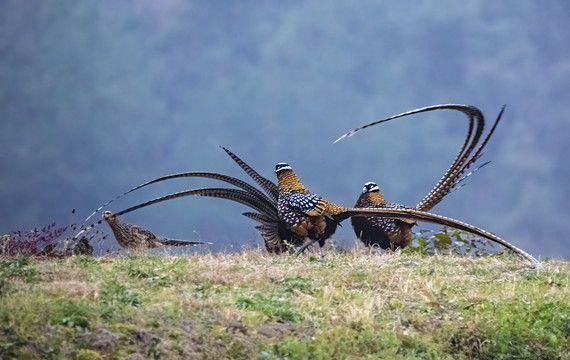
[[256, 306]]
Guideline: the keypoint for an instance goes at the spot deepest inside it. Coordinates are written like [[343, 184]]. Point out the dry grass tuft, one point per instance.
[[251, 304]]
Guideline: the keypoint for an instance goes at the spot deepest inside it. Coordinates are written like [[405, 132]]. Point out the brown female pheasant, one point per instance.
[[137, 239]]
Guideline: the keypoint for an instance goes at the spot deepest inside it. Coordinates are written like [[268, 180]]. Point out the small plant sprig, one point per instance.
[[34, 242], [451, 240], [46, 242]]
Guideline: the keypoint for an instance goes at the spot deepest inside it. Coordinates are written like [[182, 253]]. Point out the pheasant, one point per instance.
[[298, 208], [137, 239], [275, 232], [307, 215], [391, 233], [277, 237], [310, 216], [387, 233]]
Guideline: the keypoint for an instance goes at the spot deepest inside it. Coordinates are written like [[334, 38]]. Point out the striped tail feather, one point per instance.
[[246, 198], [273, 230], [454, 175], [267, 185], [447, 181], [461, 161], [443, 220], [260, 218], [236, 195], [228, 179], [467, 109], [176, 242]]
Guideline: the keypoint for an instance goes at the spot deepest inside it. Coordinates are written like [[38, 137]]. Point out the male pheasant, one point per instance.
[[300, 212], [308, 215], [314, 218], [387, 233], [392, 233]]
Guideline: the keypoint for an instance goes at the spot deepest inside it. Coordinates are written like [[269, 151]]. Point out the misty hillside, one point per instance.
[[97, 97]]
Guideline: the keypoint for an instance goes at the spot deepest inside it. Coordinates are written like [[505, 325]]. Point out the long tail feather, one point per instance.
[[442, 220], [260, 218], [475, 130], [246, 199], [239, 196], [176, 242], [452, 178], [461, 182], [462, 162], [463, 108], [447, 181], [231, 180], [267, 185]]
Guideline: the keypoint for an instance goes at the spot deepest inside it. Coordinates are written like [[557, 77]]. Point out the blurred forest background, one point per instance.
[[97, 97]]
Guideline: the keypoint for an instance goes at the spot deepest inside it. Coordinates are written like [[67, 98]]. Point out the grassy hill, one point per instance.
[[252, 305]]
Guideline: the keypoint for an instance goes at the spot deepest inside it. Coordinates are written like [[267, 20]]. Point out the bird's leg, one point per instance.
[[322, 252], [305, 245]]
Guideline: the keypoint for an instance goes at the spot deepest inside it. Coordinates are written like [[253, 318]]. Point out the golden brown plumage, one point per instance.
[[390, 233], [396, 213], [307, 213], [314, 210], [384, 232]]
